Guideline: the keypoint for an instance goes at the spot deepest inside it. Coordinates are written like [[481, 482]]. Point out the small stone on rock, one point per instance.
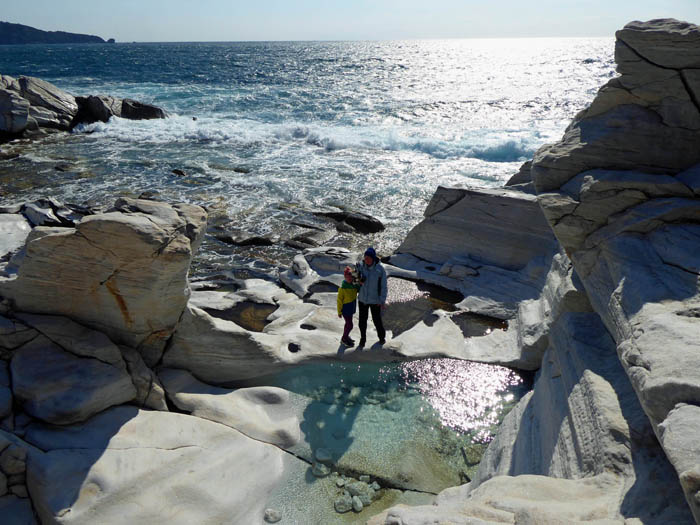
[[375, 485], [364, 478], [340, 482]]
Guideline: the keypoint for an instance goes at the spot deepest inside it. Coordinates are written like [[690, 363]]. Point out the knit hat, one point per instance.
[[370, 251]]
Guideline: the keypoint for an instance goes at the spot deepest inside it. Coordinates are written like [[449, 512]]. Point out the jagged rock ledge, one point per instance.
[[30, 106]]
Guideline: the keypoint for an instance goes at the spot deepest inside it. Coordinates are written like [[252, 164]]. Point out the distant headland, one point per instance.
[[21, 34]]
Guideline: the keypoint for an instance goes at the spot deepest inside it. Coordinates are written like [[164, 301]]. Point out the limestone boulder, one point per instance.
[[262, 413], [503, 228], [520, 499], [14, 112], [58, 387], [123, 272]]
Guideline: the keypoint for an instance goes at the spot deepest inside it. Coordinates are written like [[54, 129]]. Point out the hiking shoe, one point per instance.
[[362, 342], [382, 341], [347, 342], [352, 341]]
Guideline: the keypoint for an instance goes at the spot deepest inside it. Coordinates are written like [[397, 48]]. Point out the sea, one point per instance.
[[267, 132]]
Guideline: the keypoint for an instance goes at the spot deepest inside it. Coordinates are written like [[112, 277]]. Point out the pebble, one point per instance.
[[375, 485], [357, 505], [343, 503], [340, 482], [272, 516], [364, 478]]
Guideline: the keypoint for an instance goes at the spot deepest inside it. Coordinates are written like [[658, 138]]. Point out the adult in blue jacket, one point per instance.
[[372, 296]]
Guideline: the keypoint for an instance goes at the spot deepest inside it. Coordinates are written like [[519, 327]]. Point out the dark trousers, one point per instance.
[[348, 325], [376, 319]]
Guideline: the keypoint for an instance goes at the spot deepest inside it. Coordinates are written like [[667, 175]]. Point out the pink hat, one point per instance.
[[348, 271]]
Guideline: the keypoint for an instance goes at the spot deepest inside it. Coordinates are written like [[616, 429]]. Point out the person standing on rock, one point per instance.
[[372, 295], [347, 304]]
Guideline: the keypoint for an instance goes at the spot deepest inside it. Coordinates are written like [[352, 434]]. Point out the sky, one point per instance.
[[235, 20]]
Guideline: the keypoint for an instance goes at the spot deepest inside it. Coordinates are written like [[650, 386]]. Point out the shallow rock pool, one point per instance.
[[418, 426]]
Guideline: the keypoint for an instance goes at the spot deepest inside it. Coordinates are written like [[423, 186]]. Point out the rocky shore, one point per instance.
[[118, 376], [30, 107]]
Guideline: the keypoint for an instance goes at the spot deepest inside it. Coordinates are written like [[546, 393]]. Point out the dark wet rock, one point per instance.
[[242, 238], [360, 222], [134, 110], [149, 195], [178, 172], [102, 107]]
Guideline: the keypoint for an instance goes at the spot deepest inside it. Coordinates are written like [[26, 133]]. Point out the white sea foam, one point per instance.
[[487, 145]]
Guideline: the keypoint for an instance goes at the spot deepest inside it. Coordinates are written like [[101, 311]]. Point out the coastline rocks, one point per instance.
[[619, 190], [149, 391], [123, 272], [32, 105], [299, 277]]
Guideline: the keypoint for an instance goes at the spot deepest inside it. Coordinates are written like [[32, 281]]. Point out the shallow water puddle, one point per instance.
[[420, 425]]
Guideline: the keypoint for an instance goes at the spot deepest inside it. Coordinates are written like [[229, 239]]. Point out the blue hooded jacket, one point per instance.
[[374, 287]]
